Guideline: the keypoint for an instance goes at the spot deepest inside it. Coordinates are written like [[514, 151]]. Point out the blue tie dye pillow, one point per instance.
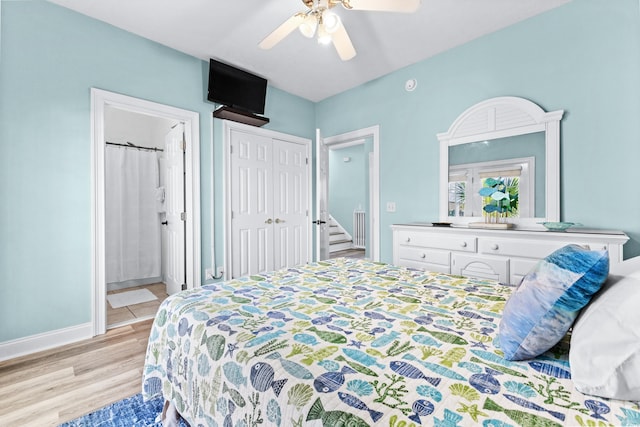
[[548, 300]]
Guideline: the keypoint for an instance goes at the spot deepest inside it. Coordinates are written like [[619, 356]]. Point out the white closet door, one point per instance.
[[251, 203], [290, 200]]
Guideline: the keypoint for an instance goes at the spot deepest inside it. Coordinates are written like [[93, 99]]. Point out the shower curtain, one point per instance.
[[132, 226]]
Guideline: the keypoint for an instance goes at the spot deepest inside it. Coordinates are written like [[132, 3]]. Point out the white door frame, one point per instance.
[[357, 137], [99, 100], [323, 238], [227, 127]]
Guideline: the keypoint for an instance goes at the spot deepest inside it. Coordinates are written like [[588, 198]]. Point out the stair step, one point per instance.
[[337, 242], [339, 239], [340, 247]]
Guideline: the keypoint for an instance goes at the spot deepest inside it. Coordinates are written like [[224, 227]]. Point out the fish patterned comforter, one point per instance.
[[357, 343]]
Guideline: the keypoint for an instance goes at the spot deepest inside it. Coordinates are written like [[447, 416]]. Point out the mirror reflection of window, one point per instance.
[[517, 177], [457, 194], [497, 158]]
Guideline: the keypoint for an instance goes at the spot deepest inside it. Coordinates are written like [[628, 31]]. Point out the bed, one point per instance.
[[351, 342]]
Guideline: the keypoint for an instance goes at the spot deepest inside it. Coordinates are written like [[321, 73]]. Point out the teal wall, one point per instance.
[[50, 58], [583, 57]]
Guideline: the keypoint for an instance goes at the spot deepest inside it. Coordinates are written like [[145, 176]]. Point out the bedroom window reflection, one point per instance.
[[457, 194], [516, 177]]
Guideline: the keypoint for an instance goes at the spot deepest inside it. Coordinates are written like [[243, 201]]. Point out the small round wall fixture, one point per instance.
[[410, 85]]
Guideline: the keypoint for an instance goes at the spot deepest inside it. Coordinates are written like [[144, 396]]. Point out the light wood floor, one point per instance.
[[348, 253], [59, 385]]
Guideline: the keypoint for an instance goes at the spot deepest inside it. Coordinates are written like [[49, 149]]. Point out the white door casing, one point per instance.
[[174, 205], [322, 199], [353, 138], [99, 100], [268, 196]]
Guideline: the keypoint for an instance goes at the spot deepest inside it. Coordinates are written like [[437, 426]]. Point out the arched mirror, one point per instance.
[[501, 157]]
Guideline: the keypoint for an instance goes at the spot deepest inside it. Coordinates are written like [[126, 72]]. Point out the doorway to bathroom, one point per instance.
[[138, 160], [146, 206]]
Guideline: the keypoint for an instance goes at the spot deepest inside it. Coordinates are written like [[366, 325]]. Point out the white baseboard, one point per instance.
[[45, 341]]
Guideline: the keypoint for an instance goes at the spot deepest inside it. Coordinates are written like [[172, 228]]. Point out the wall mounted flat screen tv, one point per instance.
[[236, 88]]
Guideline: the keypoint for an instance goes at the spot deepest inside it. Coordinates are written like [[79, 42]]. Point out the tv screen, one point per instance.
[[236, 88]]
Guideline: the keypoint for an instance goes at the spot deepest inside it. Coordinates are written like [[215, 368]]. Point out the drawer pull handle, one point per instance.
[[423, 256], [495, 246], [463, 244]]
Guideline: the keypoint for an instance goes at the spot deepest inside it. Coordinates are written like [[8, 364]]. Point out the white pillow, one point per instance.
[[605, 343]]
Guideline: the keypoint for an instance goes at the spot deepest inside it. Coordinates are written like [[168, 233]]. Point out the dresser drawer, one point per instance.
[[437, 241], [514, 247], [494, 268], [430, 256], [425, 259], [520, 267], [528, 249]]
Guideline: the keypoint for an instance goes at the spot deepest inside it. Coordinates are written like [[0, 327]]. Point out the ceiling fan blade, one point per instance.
[[406, 6], [342, 43], [282, 31]]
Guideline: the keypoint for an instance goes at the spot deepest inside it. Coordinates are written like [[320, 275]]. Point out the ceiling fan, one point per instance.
[[319, 20]]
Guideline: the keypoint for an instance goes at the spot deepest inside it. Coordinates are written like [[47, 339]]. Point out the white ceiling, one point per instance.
[[230, 31]]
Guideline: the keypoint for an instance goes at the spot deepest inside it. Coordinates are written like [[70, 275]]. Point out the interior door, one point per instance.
[[251, 203], [322, 199], [290, 210], [175, 209]]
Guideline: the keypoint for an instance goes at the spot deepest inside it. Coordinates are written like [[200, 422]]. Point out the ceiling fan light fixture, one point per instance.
[[327, 26], [331, 21], [308, 26], [323, 36]]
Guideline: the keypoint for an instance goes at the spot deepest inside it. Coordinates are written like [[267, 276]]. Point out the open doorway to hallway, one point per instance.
[[347, 194]]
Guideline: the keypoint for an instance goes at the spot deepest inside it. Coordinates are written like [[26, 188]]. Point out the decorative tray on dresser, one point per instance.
[[503, 255]]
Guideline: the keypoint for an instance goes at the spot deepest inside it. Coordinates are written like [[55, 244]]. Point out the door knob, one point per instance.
[[164, 223], [279, 221], [269, 221]]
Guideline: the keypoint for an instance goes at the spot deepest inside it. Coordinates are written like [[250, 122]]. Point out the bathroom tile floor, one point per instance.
[[137, 312]]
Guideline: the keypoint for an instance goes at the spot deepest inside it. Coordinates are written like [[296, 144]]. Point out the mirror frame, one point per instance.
[[499, 118]]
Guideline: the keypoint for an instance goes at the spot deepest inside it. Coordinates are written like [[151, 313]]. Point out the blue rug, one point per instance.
[[129, 412]]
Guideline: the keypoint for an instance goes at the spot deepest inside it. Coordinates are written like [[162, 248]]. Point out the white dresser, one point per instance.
[[503, 255]]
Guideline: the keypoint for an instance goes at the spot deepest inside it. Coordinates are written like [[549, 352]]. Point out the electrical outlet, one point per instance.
[[391, 206], [208, 274], [219, 271]]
